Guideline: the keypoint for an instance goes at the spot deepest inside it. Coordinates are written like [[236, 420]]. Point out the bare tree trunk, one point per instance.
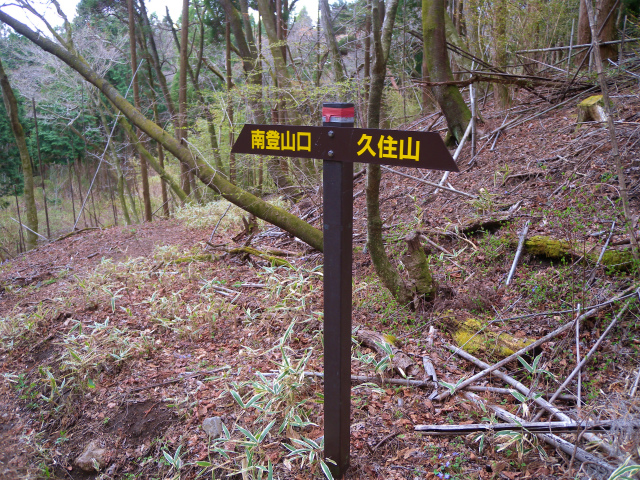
[[607, 31], [449, 98], [44, 192], [232, 157], [388, 274], [185, 183], [252, 68], [607, 27], [73, 201], [500, 91], [144, 173], [82, 199], [622, 181], [11, 105], [116, 163], [330, 36], [155, 60], [21, 247]]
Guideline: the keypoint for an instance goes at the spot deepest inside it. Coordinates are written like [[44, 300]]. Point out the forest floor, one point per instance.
[[130, 337]]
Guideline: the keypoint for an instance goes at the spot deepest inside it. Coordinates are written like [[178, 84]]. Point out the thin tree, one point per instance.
[[182, 92], [448, 97], [144, 173], [11, 104]]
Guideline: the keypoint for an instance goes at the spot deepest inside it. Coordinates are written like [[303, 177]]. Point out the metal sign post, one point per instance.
[[339, 145], [337, 184]]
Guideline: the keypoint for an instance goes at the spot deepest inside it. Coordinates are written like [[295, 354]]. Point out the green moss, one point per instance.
[[590, 101], [473, 337], [615, 258], [390, 339], [547, 247]]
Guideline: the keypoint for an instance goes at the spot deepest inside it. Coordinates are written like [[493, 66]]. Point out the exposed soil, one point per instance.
[[150, 342]]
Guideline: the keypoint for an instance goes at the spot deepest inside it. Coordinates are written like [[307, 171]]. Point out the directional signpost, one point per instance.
[[339, 145]]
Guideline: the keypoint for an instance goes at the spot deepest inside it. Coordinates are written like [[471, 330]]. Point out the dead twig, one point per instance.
[[554, 411], [385, 440], [523, 236], [604, 249], [586, 358], [426, 182], [218, 224], [521, 352], [604, 468]]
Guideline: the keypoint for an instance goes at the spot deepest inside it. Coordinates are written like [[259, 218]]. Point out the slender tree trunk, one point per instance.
[[500, 91], [82, 199], [21, 247], [185, 183], [622, 180], [163, 184], [44, 192], [144, 172], [381, 44], [584, 31], [448, 97], [232, 157], [330, 36], [11, 106], [73, 201], [155, 60], [113, 203], [116, 163]]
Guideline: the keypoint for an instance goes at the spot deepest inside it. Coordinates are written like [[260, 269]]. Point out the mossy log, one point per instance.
[[278, 262], [474, 336], [554, 249], [548, 247], [205, 257]]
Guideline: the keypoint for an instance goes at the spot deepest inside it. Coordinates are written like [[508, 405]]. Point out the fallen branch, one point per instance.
[[586, 358], [507, 391], [531, 427], [443, 250], [175, 380], [591, 437], [426, 182], [523, 235], [602, 467], [24, 226], [604, 249], [75, 232], [218, 224], [467, 132], [520, 352]]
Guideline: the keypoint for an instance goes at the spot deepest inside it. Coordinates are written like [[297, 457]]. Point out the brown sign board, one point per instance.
[[363, 145]]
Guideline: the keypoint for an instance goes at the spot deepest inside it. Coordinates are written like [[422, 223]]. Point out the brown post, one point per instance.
[[337, 231]]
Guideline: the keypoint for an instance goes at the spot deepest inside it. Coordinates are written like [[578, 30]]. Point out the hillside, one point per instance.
[[130, 337]]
